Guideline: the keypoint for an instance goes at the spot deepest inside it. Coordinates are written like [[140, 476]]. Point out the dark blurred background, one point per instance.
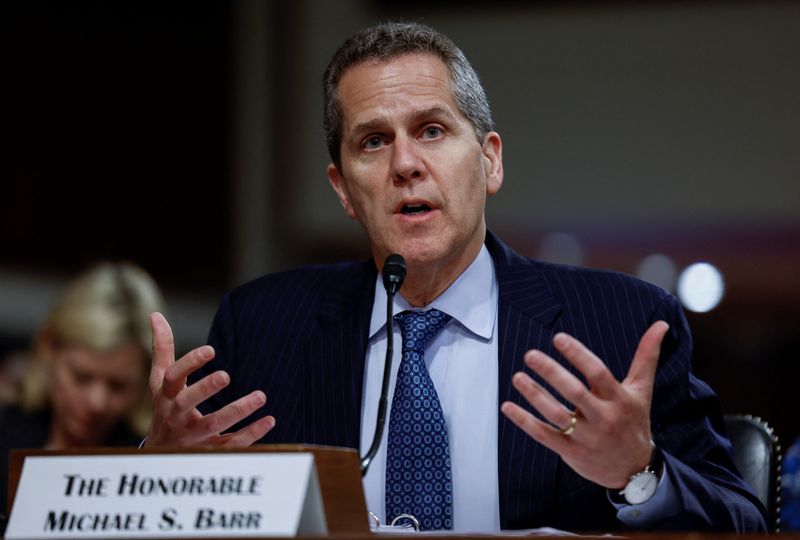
[[642, 136]]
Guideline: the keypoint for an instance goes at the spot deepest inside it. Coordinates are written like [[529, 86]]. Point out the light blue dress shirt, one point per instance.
[[462, 361]]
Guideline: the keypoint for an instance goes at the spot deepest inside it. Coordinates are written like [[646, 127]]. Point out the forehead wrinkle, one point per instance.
[[394, 84]]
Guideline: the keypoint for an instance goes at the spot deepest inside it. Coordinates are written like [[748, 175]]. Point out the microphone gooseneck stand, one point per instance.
[[394, 272]]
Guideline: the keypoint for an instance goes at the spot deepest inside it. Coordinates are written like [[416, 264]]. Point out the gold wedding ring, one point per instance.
[[573, 421]]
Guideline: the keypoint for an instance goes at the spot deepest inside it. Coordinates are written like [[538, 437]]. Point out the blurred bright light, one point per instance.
[[700, 287], [659, 270], [562, 248]]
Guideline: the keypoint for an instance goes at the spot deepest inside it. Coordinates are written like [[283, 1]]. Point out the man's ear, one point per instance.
[[493, 162], [337, 183]]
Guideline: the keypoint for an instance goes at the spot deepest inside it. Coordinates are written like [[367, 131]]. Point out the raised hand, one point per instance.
[[176, 420], [606, 437]]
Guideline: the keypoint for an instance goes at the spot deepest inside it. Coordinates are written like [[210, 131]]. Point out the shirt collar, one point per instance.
[[471, 299]]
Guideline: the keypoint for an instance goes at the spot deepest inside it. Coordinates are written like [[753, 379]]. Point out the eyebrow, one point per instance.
[[416, 116]]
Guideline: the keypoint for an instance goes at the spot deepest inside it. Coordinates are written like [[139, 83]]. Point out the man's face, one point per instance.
[[412, 171]]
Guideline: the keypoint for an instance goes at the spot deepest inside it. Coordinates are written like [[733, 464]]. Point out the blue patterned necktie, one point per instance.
[[418, 477]]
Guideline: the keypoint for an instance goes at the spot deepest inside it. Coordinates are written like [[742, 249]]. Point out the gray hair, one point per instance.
[[390, 40]]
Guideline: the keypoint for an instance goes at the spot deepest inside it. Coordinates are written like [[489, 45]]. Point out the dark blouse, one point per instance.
[[20, 429]]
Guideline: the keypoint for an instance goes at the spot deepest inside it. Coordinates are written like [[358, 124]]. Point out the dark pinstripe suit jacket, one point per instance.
[[301, 336]]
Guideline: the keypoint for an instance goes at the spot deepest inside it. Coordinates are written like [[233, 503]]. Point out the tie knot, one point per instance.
[[419, 327]]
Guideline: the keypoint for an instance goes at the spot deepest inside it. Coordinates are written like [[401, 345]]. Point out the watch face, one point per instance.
[[641, 487]]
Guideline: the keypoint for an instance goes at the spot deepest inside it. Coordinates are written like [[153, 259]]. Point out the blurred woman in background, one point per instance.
[[86, 384]]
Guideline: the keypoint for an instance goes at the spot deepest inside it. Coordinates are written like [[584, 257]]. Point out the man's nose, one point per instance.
[[407, 163]]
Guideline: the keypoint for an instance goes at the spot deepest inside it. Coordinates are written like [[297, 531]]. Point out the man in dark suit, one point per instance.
[[606, 429]]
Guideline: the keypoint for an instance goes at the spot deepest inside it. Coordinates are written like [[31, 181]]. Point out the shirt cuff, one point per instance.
[[664, 503]]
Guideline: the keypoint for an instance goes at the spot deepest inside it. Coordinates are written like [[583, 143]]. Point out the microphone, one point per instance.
[[394, 273]]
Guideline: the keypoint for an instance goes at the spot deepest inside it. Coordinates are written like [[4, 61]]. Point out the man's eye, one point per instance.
[[432, 132], [370, 143]]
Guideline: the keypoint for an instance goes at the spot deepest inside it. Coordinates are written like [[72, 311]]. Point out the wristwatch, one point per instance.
[[642, 485]]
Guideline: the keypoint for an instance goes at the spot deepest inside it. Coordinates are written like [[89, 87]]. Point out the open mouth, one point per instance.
[[414, 209]]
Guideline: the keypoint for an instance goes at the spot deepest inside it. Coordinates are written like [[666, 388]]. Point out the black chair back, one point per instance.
[[757, 454]]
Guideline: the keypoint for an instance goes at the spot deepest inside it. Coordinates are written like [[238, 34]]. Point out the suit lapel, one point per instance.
[[335, 355], [526, 312]]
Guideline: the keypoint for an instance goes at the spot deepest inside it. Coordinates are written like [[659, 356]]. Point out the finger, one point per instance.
[[542, 432], [234, 412], [163, 350], [176, 374], [565, 383], [194, 394], [645, 361], [549, 407], [597, 374], [248, 435]]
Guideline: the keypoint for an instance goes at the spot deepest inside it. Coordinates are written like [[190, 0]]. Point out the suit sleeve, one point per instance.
[[688, 429]]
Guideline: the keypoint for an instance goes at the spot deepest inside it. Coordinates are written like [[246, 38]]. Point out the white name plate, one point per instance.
[[167, 495]]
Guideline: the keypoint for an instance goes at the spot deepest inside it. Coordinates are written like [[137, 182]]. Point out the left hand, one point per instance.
[[611, 439]]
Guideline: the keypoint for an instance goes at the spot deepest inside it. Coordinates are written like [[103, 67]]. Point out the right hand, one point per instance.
[[176, 420]]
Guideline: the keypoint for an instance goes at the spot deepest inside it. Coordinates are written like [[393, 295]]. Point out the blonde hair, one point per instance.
[[106, 307]]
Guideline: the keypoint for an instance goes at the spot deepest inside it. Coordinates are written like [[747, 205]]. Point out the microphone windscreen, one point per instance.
[[394, 272]]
